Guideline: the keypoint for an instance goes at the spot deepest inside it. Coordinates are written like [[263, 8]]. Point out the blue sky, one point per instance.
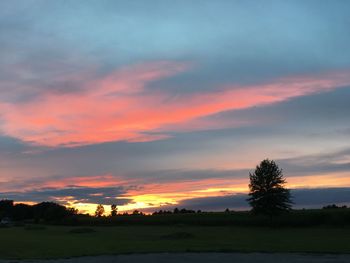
[[150, 103]]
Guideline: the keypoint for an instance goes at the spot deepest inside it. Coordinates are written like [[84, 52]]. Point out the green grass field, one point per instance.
[[59, 241]]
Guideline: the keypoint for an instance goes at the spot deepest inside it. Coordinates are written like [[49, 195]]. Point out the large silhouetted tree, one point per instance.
[[267, 192]]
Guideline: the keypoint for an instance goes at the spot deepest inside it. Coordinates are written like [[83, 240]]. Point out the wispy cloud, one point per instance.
[[120, 108]]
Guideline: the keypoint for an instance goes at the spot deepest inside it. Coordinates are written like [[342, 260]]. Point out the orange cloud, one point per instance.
[[120, 108], [339, 179]]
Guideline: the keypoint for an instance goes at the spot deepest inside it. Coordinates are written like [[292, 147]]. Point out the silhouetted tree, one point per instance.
[[334, 206], [267, 192], [6, 207], [137, 212], [100, 210], [22, 211], [72, 210], [50, 211], [114, 210], [187, 211], [162, 212]]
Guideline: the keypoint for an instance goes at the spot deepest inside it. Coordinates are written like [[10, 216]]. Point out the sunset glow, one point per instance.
[[156, 108]]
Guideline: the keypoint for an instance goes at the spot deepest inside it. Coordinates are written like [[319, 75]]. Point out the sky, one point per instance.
[[162, 104]]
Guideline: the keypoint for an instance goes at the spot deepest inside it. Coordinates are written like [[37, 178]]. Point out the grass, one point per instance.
[[61, 241]]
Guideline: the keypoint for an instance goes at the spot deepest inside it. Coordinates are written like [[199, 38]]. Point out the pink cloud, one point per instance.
[[120, 108]]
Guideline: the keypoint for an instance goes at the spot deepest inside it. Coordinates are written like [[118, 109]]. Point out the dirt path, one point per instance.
[[201, 258]]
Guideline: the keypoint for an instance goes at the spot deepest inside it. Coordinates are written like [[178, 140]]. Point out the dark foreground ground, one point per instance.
[[56, 242], [202, 258]]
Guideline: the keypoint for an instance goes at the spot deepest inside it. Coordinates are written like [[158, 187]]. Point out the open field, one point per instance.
[[62, 241]]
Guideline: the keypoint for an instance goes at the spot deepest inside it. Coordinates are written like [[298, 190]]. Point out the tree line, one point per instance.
[[100, 211], [48, 211]]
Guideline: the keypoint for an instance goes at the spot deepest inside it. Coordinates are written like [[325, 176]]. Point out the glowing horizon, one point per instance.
[[154, 197]]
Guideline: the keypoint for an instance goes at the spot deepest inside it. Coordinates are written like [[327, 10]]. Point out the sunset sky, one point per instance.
[[150, 104]]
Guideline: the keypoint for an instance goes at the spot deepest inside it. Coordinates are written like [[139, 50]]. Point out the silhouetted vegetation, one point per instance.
[[162, 212], [295, 218], [114, 210], [137, 213], [52, 213], [267, 192], [41, 212], [268, 197], [100, 210], [334, 206], [175, 211]]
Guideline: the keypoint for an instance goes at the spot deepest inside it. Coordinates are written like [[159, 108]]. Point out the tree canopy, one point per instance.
[[268, 194]]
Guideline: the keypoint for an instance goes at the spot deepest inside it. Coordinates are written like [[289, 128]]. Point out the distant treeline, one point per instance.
[[52, 213], [44, 211], [295, 218]]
